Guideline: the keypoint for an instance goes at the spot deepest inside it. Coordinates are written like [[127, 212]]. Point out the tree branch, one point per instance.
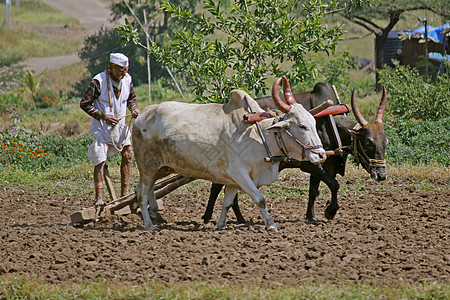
[[362, 24], [363, 19]]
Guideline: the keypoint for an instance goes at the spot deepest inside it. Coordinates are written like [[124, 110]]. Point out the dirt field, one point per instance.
[[383, 233]]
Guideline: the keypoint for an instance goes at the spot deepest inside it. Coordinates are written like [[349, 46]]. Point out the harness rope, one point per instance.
[[355, 149], [362, 158], [284, 150]]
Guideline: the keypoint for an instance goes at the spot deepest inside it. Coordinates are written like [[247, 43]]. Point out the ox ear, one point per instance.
[[278, 126]]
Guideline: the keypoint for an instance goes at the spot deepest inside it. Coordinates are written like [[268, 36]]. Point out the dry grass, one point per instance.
[[64, 79]]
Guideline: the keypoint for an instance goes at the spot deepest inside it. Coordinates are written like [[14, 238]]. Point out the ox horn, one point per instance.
[[284, 107], [356, 112], [288, 96], [381, 108]]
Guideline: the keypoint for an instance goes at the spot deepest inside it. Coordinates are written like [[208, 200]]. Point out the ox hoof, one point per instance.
[[273, 227], [151, 228], [312, 221], [206, 219], [241, 220], [222, 228], [330, 212]]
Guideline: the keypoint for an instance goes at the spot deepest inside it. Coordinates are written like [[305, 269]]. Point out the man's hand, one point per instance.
[[135, 113], [111, 120]]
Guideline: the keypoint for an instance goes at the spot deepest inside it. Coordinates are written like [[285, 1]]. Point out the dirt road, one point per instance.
[[92, 14]]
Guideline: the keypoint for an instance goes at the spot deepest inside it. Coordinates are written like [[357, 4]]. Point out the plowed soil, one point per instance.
[[384, 233]]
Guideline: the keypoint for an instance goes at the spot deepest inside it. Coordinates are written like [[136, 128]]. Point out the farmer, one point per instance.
[[106, 101]]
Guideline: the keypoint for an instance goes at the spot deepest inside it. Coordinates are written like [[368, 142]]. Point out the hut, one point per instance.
[[415, 48]]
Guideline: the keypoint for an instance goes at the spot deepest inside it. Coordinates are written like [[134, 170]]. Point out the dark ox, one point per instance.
[[365, 141]]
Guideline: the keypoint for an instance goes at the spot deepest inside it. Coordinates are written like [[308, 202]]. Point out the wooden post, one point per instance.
[[425, 22], [8, 14], [109, 183], [148, 59]]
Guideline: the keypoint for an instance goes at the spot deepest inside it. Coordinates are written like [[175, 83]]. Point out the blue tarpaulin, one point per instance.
[[436, 34]]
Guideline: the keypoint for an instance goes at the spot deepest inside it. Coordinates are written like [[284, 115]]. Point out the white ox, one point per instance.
[[212, 142]]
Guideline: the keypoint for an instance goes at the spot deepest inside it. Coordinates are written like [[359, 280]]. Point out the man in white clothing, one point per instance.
[[109, 95]]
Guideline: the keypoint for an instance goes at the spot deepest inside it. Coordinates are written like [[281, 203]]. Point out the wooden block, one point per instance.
[[84, 216], [123, 211]]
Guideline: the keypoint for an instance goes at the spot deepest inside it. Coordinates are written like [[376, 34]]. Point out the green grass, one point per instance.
[[37, 12], [20, 43], [24, 40], [16, 287]]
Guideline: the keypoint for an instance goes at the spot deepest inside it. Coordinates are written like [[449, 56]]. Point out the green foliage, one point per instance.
[[161, 90], [10, 72], [95, 55], [160, 24], [32, 83], [9, 104], [414, 96], [44, 98], [418, 120], [30, 151], [336, 73], [259, 39], [386, 9], [419, 141]]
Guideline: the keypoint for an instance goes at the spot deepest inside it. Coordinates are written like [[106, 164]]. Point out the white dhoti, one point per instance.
[[99, 151]]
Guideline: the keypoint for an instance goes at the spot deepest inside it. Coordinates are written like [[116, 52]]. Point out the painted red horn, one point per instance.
[[288, 96], [381, 108], [356, 112], [284, 107]]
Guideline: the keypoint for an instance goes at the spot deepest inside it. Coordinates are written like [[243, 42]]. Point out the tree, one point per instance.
[[391, 11], [242, 44], [95, 55], [152, 9]]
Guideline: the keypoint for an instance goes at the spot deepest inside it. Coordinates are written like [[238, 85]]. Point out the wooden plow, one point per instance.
[[126, 204]]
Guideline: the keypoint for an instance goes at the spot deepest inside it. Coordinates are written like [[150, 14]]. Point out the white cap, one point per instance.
[[118, 59]]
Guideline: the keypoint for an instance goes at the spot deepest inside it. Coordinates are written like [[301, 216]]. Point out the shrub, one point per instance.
[[414, 96], [32, 151], [419, 141], [44, 99], [10, 73], [9, 103]]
